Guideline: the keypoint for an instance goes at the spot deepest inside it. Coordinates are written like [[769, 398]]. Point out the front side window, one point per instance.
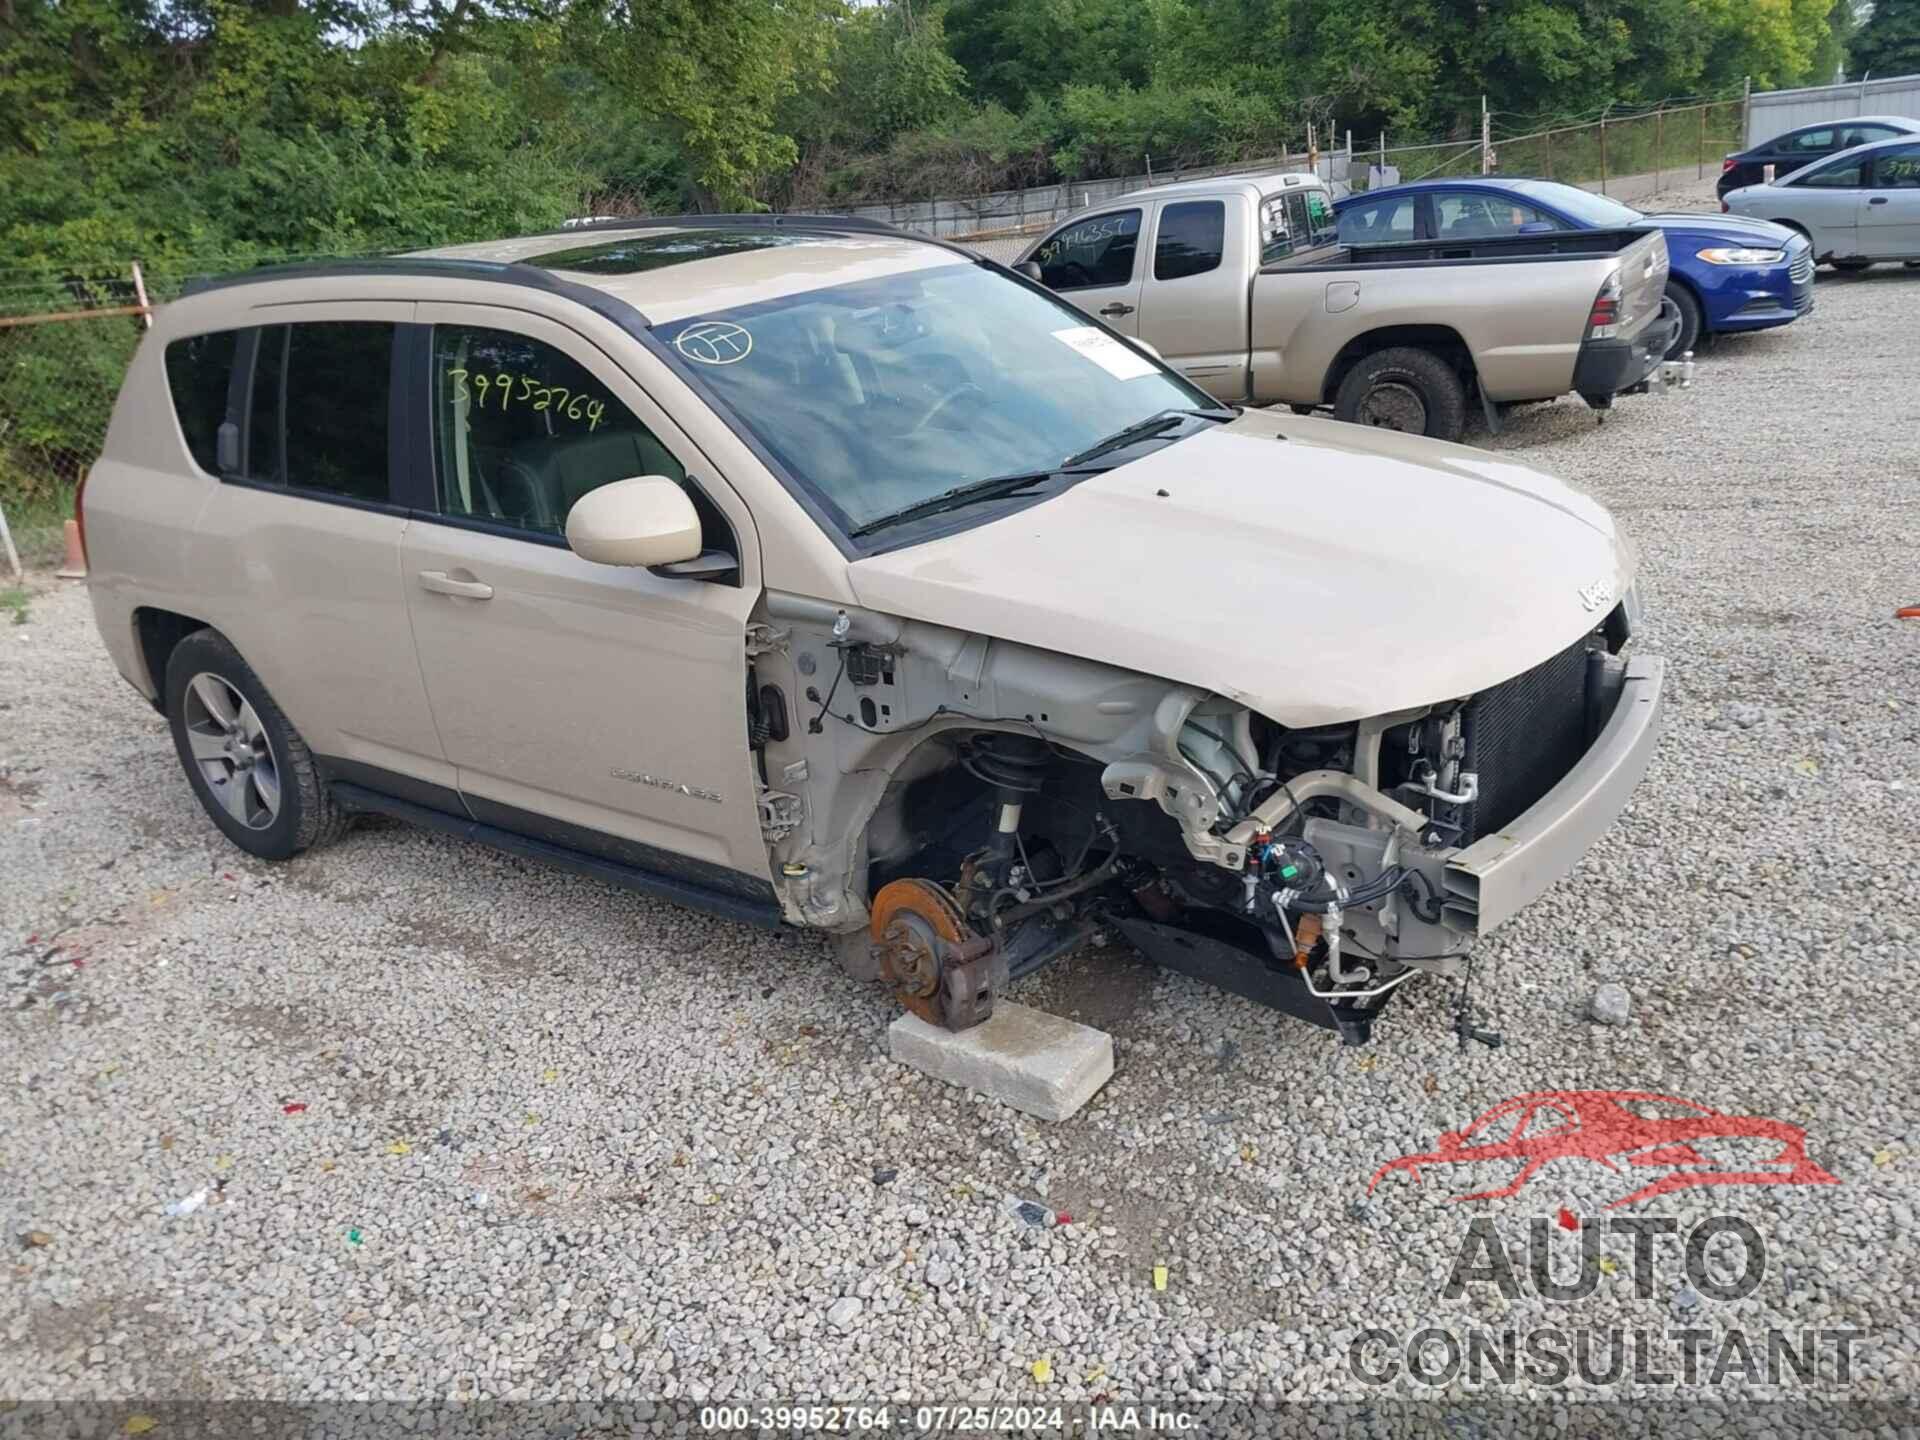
[[882, 394], [1865, 134], [1193, 235], [1897, 169], [1090, 253], [1381, 222], [1472, 216], [198, 372], [521, 431], [317, 409], [1846, 175]]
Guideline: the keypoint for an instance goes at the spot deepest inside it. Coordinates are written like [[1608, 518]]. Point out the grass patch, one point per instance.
[[15, 600]]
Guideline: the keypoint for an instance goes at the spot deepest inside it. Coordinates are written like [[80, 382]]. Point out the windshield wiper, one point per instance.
[[995, 487], [972, 493], [1141, 430]]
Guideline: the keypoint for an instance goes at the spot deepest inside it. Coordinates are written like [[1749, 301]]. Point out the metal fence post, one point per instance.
[[1603, 149], [1486, 138], [1549, 154], [1746, 116], [1701, 153], [1659, 149]]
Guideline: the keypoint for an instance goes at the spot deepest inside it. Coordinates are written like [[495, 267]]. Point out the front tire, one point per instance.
[[252, 772], [1413, 391], [1853, 265], [1692, 322]]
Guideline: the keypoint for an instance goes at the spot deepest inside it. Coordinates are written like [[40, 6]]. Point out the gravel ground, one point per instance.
[[559, 1141]]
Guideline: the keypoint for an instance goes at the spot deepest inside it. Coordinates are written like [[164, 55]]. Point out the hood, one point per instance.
[[1314, 571], [1730, 230]]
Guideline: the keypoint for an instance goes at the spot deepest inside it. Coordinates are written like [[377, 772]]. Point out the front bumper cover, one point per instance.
[[1500, 874]]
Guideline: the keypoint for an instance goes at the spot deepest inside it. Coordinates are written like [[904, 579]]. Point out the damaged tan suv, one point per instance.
[[812, 573]]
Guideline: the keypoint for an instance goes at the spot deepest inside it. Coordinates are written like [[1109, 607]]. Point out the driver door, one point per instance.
[[592, 706], [1093, 263]]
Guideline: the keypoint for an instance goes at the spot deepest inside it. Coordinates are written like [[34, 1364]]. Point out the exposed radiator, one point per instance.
[[1522, 736]]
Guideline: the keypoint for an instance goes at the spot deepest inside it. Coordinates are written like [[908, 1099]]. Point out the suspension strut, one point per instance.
[[1015, 766]]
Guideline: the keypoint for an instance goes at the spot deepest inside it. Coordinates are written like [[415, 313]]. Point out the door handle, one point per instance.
[[441, 583], [1878, 200], [1116, 309]]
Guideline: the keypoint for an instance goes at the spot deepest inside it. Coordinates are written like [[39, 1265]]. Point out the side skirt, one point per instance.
[[364, 800]]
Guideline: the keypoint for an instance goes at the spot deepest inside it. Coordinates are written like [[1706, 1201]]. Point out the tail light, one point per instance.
[[80, 513], [1726, 164], [1604, 321], [1724, 210]]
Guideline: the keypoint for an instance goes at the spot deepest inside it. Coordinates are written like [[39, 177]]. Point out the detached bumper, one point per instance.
[[1500, 874]]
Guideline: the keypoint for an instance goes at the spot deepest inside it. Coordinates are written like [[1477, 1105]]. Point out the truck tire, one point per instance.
[[249, 767], [1692, 331], [1404, 389]]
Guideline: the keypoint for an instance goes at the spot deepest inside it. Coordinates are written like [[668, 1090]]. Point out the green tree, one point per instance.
[[1889, 42]]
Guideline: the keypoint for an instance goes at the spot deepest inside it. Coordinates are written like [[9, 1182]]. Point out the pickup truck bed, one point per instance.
[[1510, 313]]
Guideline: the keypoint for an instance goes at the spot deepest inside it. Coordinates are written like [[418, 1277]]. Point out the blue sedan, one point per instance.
[[1728, 273]]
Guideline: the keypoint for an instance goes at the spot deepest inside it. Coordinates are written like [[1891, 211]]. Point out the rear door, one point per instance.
[[1193, 302], [302, 547], [1889, 211], [1093, 262]]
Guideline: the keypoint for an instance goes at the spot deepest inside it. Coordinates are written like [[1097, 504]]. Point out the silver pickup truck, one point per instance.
[[1242, 286]]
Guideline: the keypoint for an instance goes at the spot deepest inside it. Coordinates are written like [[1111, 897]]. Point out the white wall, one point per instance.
[[1774, 112]]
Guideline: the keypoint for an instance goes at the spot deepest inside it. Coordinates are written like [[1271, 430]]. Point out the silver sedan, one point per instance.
[[1857, 207]]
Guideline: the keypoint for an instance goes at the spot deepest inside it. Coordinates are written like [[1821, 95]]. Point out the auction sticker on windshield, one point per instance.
[[1121, 361]]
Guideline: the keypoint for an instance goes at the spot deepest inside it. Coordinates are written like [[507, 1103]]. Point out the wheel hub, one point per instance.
[[1394, 407], [928, 954]]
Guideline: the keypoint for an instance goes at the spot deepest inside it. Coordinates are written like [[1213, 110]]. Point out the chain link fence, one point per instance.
[[64, 345]]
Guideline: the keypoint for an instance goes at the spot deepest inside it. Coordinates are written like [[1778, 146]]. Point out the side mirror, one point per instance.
[[1028, 269], [1766, 174], [647, 520], [1146, 345], [1538, 227]]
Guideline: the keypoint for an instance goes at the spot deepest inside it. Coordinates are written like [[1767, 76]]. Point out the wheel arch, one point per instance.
[[1442, 340], [156, 633]]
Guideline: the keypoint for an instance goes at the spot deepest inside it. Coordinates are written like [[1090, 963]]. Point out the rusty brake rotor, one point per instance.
[[930, 957]]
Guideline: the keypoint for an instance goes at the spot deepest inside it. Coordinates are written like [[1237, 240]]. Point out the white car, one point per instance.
[[1858, 207]]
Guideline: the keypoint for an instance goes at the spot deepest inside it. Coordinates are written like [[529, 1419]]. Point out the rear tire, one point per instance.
[[1692, 322], [1853, 265], [249, 767], [1413, 391]]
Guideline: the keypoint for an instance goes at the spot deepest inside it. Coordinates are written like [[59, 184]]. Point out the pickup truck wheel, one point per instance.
[[1690, 320], [249, 767], [1404, 389]]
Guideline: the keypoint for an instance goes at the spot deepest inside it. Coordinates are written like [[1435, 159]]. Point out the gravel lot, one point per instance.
[[560, 1141]]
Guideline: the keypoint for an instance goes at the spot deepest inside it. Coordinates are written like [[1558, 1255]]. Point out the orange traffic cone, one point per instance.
[[75, 565]]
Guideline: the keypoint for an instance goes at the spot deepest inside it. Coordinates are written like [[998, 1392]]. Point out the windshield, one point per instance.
[[1582, 205], [885, 393]]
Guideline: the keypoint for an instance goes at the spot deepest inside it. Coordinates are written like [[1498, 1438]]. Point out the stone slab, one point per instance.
[[1037, 1063]]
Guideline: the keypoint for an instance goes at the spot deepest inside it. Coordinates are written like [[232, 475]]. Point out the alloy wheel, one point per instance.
[[231, 747]]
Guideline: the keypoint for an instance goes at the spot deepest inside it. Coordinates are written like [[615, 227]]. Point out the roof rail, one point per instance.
[[768, 221]]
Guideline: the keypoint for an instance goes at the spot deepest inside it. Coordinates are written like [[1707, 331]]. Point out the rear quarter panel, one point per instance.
[[143, 502]]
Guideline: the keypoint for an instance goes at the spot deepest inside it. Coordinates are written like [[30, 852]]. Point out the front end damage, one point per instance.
[[962, 811]]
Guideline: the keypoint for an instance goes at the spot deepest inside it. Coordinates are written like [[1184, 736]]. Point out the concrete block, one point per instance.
[[1026, 1058]]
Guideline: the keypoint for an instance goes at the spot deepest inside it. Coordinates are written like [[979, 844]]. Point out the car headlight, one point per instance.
[[1730, 256]]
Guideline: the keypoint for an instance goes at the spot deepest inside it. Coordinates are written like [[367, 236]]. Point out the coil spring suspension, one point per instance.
[[1007, 762]]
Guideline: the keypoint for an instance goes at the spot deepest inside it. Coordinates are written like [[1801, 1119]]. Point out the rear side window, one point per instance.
[[1192, 236], [1379, 223], [522, 431], [1092, 252], [317, 408], [1810, 142], [198, 371]]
